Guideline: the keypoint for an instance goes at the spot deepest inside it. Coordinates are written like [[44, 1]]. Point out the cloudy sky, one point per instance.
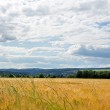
[[54, 33]]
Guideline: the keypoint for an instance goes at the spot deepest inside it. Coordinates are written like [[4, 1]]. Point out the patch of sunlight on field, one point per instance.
[[54, 94]]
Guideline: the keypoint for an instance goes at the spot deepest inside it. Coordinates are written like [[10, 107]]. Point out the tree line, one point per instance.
[[79, 74], [93, 74]]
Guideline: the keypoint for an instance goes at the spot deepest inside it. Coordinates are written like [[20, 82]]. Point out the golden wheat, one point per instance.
[[54, 94]]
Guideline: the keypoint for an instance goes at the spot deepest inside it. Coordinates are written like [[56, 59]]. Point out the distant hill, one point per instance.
[[36, 71]]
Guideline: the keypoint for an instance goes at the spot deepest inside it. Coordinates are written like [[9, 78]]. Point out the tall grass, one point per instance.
[[54, 94]]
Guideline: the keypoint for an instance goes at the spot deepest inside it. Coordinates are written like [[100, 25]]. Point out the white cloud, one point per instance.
[[61, 25]]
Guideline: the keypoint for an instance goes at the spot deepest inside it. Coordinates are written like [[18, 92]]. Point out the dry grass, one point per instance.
[[54, 94]]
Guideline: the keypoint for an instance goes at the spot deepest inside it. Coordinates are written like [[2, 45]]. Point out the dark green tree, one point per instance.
[[41, 75]]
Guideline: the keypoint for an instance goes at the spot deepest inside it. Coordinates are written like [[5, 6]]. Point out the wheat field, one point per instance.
[[54, 94]]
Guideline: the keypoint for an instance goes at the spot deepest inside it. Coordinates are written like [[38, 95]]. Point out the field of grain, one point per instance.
[[54, 94]]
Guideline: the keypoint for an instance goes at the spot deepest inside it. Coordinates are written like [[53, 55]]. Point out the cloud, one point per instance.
[[102, 51], [5, 38], [39, 11], [33, 20], [55, 33], [93, 5]]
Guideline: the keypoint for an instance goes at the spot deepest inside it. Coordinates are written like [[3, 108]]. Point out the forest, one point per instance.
[[78, 74]]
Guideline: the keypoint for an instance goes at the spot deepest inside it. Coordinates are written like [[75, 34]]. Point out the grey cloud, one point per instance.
[[94, 6], [13, 14], [93, 51], [2, 9], [5, 26], [6, 30], [5, 38], [40, 11]]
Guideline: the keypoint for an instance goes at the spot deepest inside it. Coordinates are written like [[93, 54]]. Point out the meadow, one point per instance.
[[54, 94]]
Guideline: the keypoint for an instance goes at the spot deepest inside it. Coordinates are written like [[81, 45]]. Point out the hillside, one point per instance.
[[36, 71]]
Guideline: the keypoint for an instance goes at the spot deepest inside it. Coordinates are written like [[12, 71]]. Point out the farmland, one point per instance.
[[54, 94]]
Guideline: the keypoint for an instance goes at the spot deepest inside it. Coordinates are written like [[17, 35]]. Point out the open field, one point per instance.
[[54, 94]]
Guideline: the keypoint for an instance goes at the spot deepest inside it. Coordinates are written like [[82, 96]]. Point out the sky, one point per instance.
[[54, 33]]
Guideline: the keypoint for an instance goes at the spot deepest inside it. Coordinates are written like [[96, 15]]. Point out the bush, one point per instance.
[[41, 75]]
